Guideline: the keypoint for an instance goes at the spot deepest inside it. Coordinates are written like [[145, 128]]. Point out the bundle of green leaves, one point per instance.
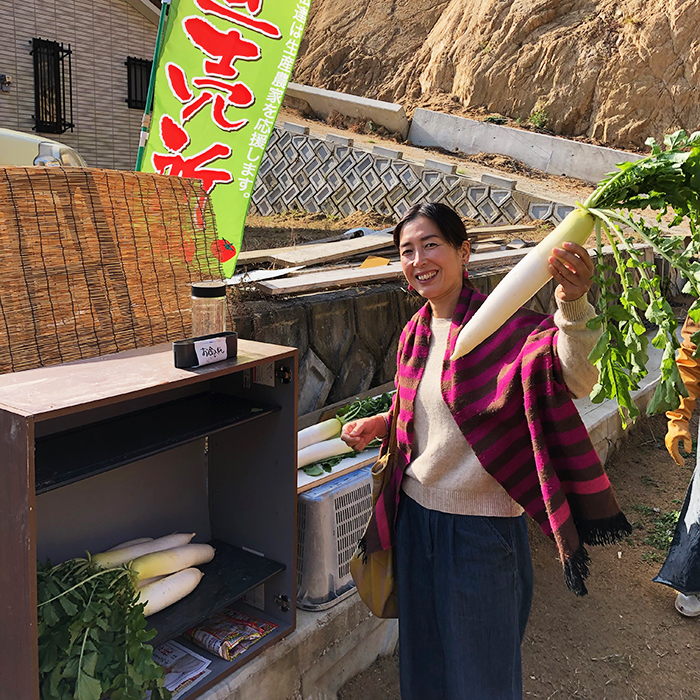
[[92, 635], [667, 182]]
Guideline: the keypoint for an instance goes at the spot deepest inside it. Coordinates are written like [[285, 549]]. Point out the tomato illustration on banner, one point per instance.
[[220, 81]]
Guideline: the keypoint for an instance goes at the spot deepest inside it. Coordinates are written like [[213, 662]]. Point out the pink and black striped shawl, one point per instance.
[[510, 402]]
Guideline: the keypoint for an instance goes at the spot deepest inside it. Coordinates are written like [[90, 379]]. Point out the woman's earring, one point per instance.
[[410, 288]]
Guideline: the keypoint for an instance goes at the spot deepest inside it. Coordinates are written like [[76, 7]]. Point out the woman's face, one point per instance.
[[432, 266]]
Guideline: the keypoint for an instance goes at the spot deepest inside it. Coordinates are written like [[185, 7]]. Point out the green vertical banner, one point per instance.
[[220, 81]]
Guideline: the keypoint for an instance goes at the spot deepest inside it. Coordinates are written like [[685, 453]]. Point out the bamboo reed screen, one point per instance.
[[97, 261]]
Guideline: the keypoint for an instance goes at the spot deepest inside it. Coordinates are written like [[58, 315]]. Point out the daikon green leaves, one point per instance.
[[92, 636]]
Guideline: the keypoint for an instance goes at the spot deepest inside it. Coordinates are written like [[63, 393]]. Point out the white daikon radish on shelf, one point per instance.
[[169, 561], [322, 450], [122, 556], [319, 433], [168, 590], [131, 543], [148, 581], [521, 283]]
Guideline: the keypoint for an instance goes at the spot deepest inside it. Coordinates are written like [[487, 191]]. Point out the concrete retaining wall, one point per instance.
[[322, 102], [347, 340], [550, 154], [307, 173]]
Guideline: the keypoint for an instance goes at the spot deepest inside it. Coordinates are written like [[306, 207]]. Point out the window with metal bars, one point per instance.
[[53, 87], [139, 70]]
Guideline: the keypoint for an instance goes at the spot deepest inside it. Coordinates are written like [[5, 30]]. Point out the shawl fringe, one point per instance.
[[576, 571], [604, 531]]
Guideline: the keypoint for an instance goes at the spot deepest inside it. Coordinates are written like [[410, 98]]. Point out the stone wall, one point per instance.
[[347, 340], [307, 173]]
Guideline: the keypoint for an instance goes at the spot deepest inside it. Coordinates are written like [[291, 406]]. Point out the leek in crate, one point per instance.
[[668, 182]]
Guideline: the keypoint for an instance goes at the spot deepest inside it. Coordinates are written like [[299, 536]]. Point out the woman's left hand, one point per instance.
[[572, 268]]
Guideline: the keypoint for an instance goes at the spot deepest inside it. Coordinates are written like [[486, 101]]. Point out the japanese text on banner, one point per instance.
[[220, 82]]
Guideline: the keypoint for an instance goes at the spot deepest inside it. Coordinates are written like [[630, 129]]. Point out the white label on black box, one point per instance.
[[210, 350]]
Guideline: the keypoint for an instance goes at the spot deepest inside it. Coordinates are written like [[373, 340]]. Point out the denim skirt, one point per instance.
[[465, 590]]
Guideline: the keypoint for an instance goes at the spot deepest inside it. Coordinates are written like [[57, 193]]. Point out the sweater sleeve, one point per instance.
[[574, 344]]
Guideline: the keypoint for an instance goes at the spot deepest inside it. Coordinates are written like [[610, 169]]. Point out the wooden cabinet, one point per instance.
[[96, 452]]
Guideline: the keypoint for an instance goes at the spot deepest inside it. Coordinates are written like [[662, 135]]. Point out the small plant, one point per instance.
[[484, 47], [661, 526], [538, 117]]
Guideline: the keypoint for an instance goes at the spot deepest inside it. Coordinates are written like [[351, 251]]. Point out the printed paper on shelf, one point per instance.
[[182, 667], [210, 350], [220, 81]]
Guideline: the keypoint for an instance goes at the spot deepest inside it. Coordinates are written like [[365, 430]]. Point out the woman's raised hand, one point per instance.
[[359, 433], [572, 268]]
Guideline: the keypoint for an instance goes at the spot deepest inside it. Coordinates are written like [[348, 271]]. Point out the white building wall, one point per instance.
[[101, 33]]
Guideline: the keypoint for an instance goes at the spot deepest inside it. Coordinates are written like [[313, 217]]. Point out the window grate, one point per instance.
[[139, 72], [53, 87]]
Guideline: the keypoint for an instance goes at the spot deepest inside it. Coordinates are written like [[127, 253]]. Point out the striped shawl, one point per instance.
[[509, 399]]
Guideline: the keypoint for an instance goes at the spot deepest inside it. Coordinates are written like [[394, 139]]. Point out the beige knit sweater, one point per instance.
[[445, 474]]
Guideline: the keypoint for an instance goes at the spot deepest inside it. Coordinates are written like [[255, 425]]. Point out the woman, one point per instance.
[[463, 560], [681, 570]]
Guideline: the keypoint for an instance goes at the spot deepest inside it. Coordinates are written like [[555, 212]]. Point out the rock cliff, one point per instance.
[[613, 72]]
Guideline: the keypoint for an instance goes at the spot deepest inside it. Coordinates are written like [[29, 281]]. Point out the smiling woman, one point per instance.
[[472, 459], [433, 262]]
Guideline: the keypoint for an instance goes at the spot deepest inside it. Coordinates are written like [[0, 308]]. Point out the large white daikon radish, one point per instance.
[[169, 561], [148, 581], [322, 450], [318, 433], [169, 590], [521, 283], [131, 543], [116, 557]]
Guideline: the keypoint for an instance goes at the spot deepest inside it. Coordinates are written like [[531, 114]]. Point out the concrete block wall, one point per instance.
[[310, 174], [347, 340], [550, 154], [322, 102], [102, 34]]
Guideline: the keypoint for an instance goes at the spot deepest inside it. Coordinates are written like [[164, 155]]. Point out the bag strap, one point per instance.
[[393, 438]]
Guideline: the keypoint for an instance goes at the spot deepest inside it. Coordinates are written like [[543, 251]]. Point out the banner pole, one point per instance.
[[146, 121]]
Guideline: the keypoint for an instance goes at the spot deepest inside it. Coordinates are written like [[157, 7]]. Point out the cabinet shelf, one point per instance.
[[75, 454], [232, 573]]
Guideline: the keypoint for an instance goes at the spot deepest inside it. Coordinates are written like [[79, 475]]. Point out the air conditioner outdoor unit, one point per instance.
[[330, 521]]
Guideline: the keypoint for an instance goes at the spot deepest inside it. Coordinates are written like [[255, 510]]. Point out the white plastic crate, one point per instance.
[[330, 521]]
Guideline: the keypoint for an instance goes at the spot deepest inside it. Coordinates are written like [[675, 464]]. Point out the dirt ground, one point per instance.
[[295, 227], [625, 640]]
